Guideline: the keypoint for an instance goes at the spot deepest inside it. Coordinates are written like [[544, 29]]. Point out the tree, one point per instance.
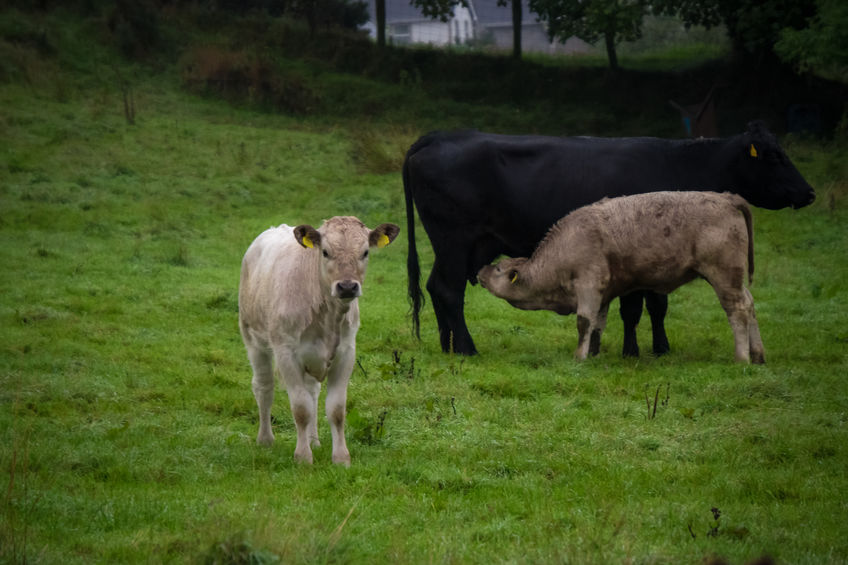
[[822, 46], [516, 26], [590, 20], [380, 17]]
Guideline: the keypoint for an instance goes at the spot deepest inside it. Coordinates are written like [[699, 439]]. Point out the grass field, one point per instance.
[[127, 422]]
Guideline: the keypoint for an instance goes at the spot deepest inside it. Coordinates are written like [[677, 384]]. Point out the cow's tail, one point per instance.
[[413, 269], [742, 205]]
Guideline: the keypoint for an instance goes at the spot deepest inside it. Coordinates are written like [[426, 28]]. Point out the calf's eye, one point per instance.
[[324, 252], [365, 255]]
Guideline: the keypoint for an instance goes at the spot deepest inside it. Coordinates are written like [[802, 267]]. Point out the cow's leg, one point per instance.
[[337, 381], [299, 385], [446, 286], [263, 390], [657, 306], [755, 342], [630, 308]]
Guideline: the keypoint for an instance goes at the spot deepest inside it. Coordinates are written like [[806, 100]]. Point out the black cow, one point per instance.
[[482, 195]]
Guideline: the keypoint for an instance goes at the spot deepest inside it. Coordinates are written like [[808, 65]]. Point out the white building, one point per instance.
[[483, 20]]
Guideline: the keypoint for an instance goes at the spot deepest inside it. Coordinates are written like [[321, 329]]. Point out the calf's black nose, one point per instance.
[[347, 289]]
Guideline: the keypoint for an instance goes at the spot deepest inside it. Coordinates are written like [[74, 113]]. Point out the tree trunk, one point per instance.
[[609, 40], [516, 29], [381, 22]]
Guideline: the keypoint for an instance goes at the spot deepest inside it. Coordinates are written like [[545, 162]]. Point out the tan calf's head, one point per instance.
[[512, 280], [502, 280], [343, 242]]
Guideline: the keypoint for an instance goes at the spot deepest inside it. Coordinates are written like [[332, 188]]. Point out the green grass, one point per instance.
[[127, 422]]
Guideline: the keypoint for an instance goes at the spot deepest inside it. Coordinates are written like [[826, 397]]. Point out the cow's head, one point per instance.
[[764, 175], [344, 243]]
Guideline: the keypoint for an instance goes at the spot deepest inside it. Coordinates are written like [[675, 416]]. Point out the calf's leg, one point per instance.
[[755, 342], [314, 392], [739, 308], [299, 385], [263, 390], [595, 336], [590, 320], [337, 381]]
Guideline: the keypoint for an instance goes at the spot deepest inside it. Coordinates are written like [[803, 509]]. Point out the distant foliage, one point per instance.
[[821, 47], [613, 21], [438, 9], [753, 26]]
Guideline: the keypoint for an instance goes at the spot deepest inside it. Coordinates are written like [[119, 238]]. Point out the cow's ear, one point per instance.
[[307, 236], [383, 235]]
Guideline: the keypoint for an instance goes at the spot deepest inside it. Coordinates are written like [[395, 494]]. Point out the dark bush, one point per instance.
[[135, 27], [239, 76]]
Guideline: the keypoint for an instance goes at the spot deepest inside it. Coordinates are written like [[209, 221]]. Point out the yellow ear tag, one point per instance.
[[308, 242], [383, 240], [514, 278], [753, 151]]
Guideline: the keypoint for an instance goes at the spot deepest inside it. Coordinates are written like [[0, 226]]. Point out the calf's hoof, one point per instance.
[[304, 458], [342, 459], [265, 440]]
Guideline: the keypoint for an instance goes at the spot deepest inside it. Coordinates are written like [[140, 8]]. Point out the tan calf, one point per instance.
[[656, 241], [298, 310]]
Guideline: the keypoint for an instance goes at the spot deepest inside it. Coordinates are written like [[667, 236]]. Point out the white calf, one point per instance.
[[298, 309]]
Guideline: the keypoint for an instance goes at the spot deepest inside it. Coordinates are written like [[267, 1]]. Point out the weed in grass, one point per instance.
[[652, 411], [365, 430], [237, 550], [398, 368]]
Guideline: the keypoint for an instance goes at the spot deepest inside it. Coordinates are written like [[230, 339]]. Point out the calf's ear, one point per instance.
[[383, 235], [307, 236]]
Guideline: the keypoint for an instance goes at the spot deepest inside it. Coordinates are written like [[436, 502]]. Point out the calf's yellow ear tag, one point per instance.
[[383, 240], [514, 278], [753, 151], [308, 242]]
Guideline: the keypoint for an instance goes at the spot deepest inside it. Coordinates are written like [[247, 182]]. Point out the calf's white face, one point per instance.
[[344, 243]]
